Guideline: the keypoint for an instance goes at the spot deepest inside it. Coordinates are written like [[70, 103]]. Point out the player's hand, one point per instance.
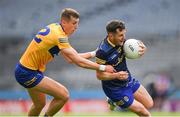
[[122, 75], [93, 53], [143, 48], [110, 69]]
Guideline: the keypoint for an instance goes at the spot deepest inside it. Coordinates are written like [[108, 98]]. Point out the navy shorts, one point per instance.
[[122, 96], [26, 77]]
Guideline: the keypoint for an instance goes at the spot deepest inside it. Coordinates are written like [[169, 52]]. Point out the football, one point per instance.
[[131, 48]]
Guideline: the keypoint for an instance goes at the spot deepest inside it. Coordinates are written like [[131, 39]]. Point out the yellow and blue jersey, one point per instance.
[[45, 45], [119, 91], [113, 55]]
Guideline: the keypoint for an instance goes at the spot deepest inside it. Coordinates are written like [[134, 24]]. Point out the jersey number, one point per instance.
[[43, 32], [54, 50]]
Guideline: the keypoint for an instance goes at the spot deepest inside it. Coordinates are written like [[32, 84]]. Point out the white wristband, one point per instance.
[[93, 53], [102, 67]]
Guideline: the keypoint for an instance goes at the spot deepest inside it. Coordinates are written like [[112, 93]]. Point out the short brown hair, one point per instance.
[[67, 13], [113, 25]]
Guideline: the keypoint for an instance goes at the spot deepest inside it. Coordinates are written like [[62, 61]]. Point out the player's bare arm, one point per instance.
[[88, 55], [122, 75], [72, 55]]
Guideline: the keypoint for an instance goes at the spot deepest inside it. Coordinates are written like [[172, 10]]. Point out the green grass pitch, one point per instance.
[[114, 114], [123, 114]]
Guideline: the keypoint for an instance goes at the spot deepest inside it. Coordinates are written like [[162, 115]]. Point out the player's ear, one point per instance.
[[63, 21], [110, 35]]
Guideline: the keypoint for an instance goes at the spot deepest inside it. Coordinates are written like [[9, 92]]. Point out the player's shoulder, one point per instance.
[[104, 46], [57, 30], [53, 26], [101, 52], [48, 28]]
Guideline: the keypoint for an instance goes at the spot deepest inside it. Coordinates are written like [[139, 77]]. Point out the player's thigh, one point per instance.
[[53, 88], [143, 97], [38, 98]]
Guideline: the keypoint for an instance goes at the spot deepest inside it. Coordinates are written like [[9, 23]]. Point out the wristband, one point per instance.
[[102, 67], [93, 53]]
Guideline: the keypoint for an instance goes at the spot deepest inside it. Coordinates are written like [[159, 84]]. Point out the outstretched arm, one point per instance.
[[88, 55], [71, 55]]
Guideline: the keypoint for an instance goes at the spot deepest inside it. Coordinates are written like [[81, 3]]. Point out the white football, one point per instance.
[[131, 48]]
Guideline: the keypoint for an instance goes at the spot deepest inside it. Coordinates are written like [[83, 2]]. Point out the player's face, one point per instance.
[[70, 26], [119, 37]]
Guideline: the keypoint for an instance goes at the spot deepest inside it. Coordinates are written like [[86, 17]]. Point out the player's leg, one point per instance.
[[55, 89], [28, 79], [37, 84], [139, 109], [142, 96], [136, 105], [39, 101]]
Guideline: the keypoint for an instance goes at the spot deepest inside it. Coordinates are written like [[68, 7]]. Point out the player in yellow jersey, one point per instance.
[[47, 43]]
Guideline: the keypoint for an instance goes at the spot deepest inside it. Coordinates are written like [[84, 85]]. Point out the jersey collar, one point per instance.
[[62, 27], [110, 42]]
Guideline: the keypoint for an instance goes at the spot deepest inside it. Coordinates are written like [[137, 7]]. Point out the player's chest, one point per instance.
[[115, 56]]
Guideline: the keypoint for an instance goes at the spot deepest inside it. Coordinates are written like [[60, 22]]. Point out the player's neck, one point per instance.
[[63, 29], [111, 41], [61, 26]]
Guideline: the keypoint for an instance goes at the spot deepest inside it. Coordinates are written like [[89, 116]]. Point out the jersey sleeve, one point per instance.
[[60, 38], [101, 57], [63, 43]]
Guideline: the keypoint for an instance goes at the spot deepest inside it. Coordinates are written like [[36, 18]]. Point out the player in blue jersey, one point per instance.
[[123, 91]]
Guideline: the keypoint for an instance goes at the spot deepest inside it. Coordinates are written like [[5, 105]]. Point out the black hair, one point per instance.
[[113, 25]]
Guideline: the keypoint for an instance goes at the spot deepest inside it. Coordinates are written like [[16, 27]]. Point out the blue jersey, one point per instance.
[[110, 54], [119, 91]]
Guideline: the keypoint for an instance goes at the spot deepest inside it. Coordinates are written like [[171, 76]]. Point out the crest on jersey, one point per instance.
[[63, 40], [126, 98]]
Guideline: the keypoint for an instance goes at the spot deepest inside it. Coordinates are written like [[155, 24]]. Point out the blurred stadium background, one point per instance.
[[155, 22]]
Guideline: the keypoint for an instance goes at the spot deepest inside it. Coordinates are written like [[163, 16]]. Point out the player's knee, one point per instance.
[[64, 96], [150, 104]]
